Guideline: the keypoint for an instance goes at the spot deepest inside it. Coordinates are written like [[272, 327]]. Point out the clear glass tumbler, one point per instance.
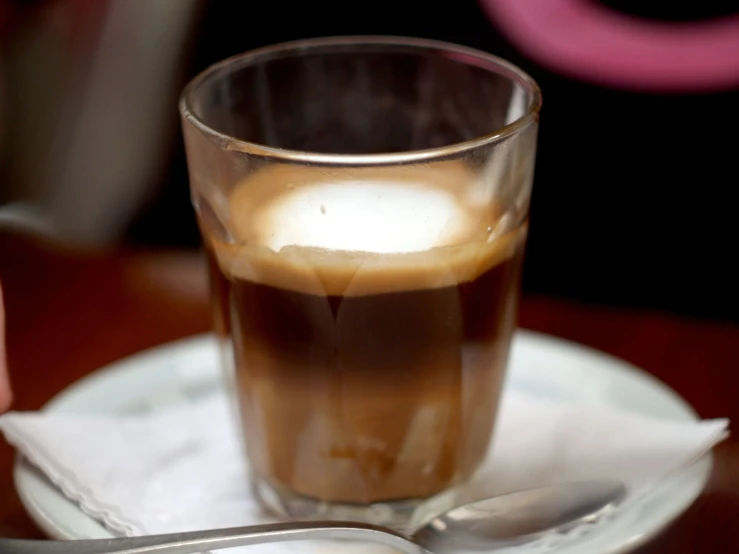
[[364, 206]]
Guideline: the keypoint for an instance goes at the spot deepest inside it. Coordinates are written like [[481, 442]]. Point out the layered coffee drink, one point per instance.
[[370, 312]]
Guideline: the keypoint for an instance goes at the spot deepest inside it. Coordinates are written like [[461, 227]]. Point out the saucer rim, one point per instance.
[[31, 485]]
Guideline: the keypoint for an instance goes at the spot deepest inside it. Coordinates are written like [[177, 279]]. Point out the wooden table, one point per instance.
[[70, 313]]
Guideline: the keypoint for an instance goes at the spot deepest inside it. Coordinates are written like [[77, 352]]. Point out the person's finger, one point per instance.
[[5, 393]]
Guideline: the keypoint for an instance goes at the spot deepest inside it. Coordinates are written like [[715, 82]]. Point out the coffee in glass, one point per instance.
[[364, 214]]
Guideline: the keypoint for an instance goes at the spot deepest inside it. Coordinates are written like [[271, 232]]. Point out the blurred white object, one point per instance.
[[81, 173]]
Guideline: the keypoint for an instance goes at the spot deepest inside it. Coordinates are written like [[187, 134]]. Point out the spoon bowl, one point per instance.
[[519, 517]]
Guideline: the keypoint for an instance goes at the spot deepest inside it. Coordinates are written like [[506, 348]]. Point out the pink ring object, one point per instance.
[[591, 42]]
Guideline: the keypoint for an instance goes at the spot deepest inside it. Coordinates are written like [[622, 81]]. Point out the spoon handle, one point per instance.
[[214, 539]]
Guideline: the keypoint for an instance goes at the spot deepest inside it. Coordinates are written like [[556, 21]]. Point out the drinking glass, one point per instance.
[[364, 204]]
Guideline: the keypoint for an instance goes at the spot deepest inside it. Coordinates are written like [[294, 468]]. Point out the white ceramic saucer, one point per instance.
[[540, 364]]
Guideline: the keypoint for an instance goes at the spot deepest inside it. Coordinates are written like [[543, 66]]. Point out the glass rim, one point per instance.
[[473, 56]]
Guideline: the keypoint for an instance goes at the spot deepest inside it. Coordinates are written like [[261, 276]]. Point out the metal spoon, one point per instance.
[[484, 525]]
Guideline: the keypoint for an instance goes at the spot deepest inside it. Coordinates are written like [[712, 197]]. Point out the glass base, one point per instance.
[[401, 515]]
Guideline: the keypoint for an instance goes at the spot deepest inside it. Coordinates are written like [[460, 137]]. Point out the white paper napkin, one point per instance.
[[182, 469]]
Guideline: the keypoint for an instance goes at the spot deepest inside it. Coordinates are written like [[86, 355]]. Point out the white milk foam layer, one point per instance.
[[363, 216], [364, 231]]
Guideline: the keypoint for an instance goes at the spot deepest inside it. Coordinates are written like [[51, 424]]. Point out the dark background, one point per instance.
[[634, 196]]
